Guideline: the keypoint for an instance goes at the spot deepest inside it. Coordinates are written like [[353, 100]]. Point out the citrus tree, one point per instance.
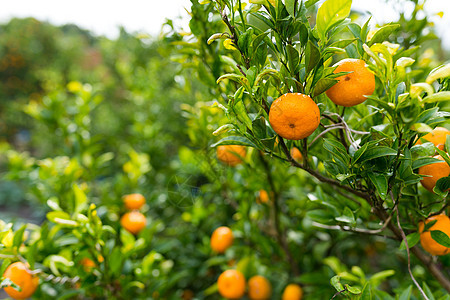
[[287, 151], [367, 120]]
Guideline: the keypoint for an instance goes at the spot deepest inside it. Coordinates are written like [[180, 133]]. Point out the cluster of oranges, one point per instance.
[[133, 221], [20, 274], [295, 116], [232, 284], [433, 173]]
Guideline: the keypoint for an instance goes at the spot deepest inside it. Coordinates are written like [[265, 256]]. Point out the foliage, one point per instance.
[[138, 115]]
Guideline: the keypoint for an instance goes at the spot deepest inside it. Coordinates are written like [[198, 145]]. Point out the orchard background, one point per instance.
[[87, 120]]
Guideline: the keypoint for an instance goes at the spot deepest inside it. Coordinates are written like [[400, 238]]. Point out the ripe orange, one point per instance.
[[231, 284], [430, 245], [231, 155], [133, 221], [352, 88], [437, 171], [259, 288], [263, 197], [134, 201], [437, 137], [19, 273], [88, 264], [292, 292], [221, 239], [296, 154], [294, 116]]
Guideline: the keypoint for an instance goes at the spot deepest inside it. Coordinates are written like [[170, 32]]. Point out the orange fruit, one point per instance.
[[294, 116], [19, 273], [430, 245], [263, 197], [296, 154], [221, 239], [231, 284], [352, 88], [436, 170], [437, 137], [134, 201], [259, 288], [187, 295], [87, 264], [231, 155], [292, 292], [133, 221]]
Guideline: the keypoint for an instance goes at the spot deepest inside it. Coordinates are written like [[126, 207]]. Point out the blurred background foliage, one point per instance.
[[80, 112]]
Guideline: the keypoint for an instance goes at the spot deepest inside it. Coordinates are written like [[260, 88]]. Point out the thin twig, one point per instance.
[[338, 293], [353, 229], [407, 252]]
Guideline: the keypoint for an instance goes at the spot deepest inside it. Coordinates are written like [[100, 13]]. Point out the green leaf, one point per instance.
[[428, 225], [421, 127], [329, 13], [61, 218], [406, 294], [412, 240], [53, 204], [4, 264], [440, 237], [376, 278], [380, 182], [18, 236], [442, 71], [322, 85], [291, 7], [216, 36], [259, 22], [312, 56], [424, 161], [293, 58], [366, 293], [426, 149], [353, 289], [263, 73], [378, 151], [246, 265], [383, 33], [447, 144], [337, 150], [360, 152], [235, 140], [223, 129], [211, 290], [80, 198], [309, 3], [437, 97], [259, 128], [335, 282], [234, 77], [244, 41], [428, 292], [442, 186], [443, 155], [238, 107], [347, 217]]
